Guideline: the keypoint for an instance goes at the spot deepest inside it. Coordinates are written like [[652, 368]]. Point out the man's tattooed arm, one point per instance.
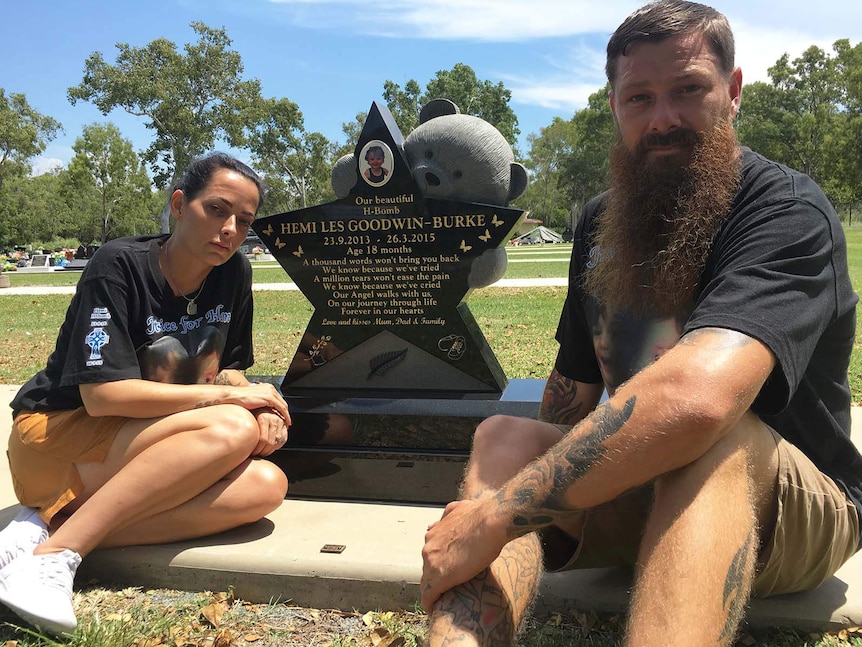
[[537, 497], [645, 430]]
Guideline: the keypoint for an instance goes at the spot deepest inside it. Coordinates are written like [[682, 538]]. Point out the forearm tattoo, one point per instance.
[[207, 403], [737, 586], [560, 403], [224, 378], [537, 497], [488, 609]]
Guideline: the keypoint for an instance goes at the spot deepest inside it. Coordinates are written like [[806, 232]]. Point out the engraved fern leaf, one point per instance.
[[380, 364]]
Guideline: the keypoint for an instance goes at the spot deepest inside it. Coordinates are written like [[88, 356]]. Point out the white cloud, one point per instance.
[[758, 49], [42, 165], [488, 20], [565, 97], [519, 20], [764, 30]]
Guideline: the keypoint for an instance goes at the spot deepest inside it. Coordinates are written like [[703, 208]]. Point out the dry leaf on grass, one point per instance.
[[150, 642], [378, 634], [215, 612], [223, 638], [119, 617]]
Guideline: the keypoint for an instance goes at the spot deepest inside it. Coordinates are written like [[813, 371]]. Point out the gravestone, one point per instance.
[[392, 346]]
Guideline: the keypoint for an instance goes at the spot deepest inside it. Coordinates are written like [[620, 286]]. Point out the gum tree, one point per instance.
[[189, 99], [24, 133]]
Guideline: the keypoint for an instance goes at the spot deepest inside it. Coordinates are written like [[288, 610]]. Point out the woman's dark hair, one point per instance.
[[657, 21], [375, 149], [201, 170]]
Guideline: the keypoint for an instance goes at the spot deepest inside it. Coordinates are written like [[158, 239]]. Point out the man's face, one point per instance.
[[667, 92]]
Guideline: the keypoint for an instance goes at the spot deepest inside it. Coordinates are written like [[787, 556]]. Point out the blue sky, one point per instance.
[[332, 56]]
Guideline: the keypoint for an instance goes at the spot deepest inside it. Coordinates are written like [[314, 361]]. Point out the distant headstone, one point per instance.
[[387, 271], [39, 260]]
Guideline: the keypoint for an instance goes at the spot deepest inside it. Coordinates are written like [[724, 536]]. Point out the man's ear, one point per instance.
[[176, 202], [735, 89]]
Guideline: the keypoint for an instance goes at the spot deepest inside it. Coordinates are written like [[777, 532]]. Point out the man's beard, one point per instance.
[[661, 219]]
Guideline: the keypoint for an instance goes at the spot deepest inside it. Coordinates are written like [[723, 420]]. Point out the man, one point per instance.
[[709, 294]]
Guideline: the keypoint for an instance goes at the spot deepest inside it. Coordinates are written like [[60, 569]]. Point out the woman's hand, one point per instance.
[[259, 396], [273, 431]]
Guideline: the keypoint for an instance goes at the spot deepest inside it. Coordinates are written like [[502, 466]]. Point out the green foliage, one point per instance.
[[483, 99], [296, 163], [546, 198], [189, 99], [106, 168], [794, 120], [569, 161], [34, 209], [24, 133], [403, 104]]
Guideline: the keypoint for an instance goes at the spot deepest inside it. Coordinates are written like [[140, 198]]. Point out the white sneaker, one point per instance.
[[22, 535], [39, 589]]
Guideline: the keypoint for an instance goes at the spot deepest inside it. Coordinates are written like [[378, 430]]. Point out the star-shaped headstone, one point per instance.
[[387, 271]]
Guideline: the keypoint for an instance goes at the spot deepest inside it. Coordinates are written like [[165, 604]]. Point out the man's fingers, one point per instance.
[[428, 596]]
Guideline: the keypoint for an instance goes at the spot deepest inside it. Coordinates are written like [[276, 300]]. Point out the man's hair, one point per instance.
[[657, 21], [201, 170]]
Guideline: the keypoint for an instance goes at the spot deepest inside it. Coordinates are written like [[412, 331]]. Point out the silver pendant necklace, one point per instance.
[[191, 306]]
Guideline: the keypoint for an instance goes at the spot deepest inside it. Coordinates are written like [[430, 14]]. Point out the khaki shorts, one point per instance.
[[43, 450], [817, 530]]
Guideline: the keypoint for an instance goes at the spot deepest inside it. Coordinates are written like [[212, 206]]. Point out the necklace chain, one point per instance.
[[191, 306]]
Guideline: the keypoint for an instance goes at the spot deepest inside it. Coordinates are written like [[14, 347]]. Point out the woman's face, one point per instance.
[[214, 223]]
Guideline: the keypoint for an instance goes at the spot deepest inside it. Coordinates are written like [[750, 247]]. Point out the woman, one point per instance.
[[130, 435]]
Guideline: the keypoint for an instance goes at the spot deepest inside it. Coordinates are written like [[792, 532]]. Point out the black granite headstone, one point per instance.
[[387, 271], [393, 373]]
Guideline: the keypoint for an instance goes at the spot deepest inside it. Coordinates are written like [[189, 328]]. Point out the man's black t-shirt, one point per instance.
[[124, 322], [777, 272]]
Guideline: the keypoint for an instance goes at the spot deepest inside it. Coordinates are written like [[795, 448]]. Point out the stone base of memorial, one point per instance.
[[403, 449]]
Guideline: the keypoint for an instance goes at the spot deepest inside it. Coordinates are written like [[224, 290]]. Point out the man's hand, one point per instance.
[[458, 547]]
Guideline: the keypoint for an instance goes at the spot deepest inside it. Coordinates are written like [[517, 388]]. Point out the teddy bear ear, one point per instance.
[[343, 176], [518, 182], [437, 108]]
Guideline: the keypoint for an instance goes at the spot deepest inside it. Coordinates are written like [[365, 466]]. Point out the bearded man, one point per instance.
[[709, 296]]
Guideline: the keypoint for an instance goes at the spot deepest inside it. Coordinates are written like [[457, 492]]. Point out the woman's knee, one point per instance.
[[265, 485], [232, 427]]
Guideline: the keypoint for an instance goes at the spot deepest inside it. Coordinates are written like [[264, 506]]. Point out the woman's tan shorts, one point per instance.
[[43, 450], [817, 529]]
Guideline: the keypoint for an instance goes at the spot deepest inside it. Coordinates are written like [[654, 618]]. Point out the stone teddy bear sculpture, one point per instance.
[[456, 157]]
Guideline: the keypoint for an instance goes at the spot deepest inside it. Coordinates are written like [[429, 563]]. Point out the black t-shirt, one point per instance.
[[124, 322], [777, 272]]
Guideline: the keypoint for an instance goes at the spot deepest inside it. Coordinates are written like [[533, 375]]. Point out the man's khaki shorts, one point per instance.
[[43, 450], [817, 529]]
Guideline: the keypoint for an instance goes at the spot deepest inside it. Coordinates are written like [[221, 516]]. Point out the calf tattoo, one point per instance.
[[488, 609], [538, 497], [737, 586]]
